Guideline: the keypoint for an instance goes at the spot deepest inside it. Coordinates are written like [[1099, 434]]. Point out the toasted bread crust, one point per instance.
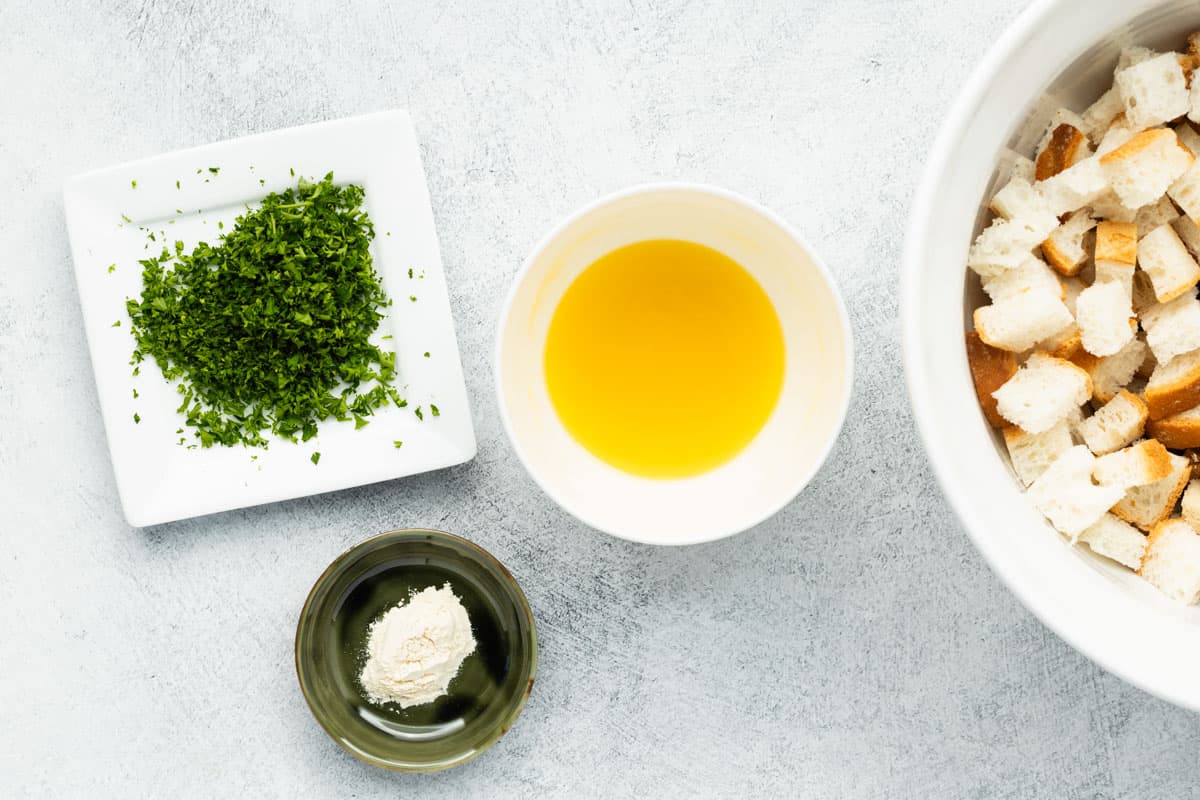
[[1136, 402], [991, 368], [1165, 511], [1175, 397], [1059, 260], [1188, 63], [1117, 241], [1061, 151], [1155, 533], [1158, 460], [1140, 142], [1071, 349], [1176, 433]]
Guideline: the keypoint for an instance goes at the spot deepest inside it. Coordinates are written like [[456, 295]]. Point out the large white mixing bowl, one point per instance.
[[1058, 53]]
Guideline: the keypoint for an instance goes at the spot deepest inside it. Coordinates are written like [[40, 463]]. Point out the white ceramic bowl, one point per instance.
[[1058, 53], [797, 437]]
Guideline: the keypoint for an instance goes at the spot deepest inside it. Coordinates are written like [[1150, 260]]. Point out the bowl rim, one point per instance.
[[846, 384], [918, 232], [400, 535]]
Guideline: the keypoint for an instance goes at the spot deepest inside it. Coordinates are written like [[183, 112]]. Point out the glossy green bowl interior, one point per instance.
[[486, 696]]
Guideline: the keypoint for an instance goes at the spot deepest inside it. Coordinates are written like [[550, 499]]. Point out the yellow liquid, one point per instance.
[[665, 358]]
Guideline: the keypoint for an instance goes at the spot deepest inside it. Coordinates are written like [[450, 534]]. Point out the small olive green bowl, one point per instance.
[[483, 700]]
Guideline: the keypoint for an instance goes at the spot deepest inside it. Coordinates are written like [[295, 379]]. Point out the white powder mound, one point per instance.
[[416, 648]]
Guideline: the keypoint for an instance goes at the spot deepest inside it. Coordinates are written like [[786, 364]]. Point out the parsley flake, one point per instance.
[[269, 329]]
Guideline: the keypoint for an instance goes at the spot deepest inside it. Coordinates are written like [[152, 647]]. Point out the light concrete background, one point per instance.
[[854, 646]]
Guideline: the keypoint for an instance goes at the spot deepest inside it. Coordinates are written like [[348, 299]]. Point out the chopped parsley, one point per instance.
[[269, 329], [427, 354], [112, 268], [214, 170], [397, 444], [420, 415], [315, 458], [133, 184], [434, 409], [137, 419]]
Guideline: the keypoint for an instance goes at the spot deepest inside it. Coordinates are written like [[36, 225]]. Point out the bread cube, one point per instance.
[[1166, 260], [990, 369], [1174, 386], [1172, 560], [1154, 91], [1065, 146], [1018, 323], [1115, 254], [1117, 423], [1042, 393], [1137, 465], [1147, 505], [1008, 243], [1114, 538], [1019, 198], [1075, 187], [1173, 328], [1034, 275], [1179, 431], [1104, 314], [1033, 453], [1066, 495], [1112, 374], [1063, 248], [1141, 170]]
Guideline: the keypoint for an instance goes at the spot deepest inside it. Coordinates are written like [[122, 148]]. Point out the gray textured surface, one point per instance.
[[854, 646]]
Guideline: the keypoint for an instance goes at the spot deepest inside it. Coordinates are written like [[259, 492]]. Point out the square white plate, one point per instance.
[[160, 480]]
